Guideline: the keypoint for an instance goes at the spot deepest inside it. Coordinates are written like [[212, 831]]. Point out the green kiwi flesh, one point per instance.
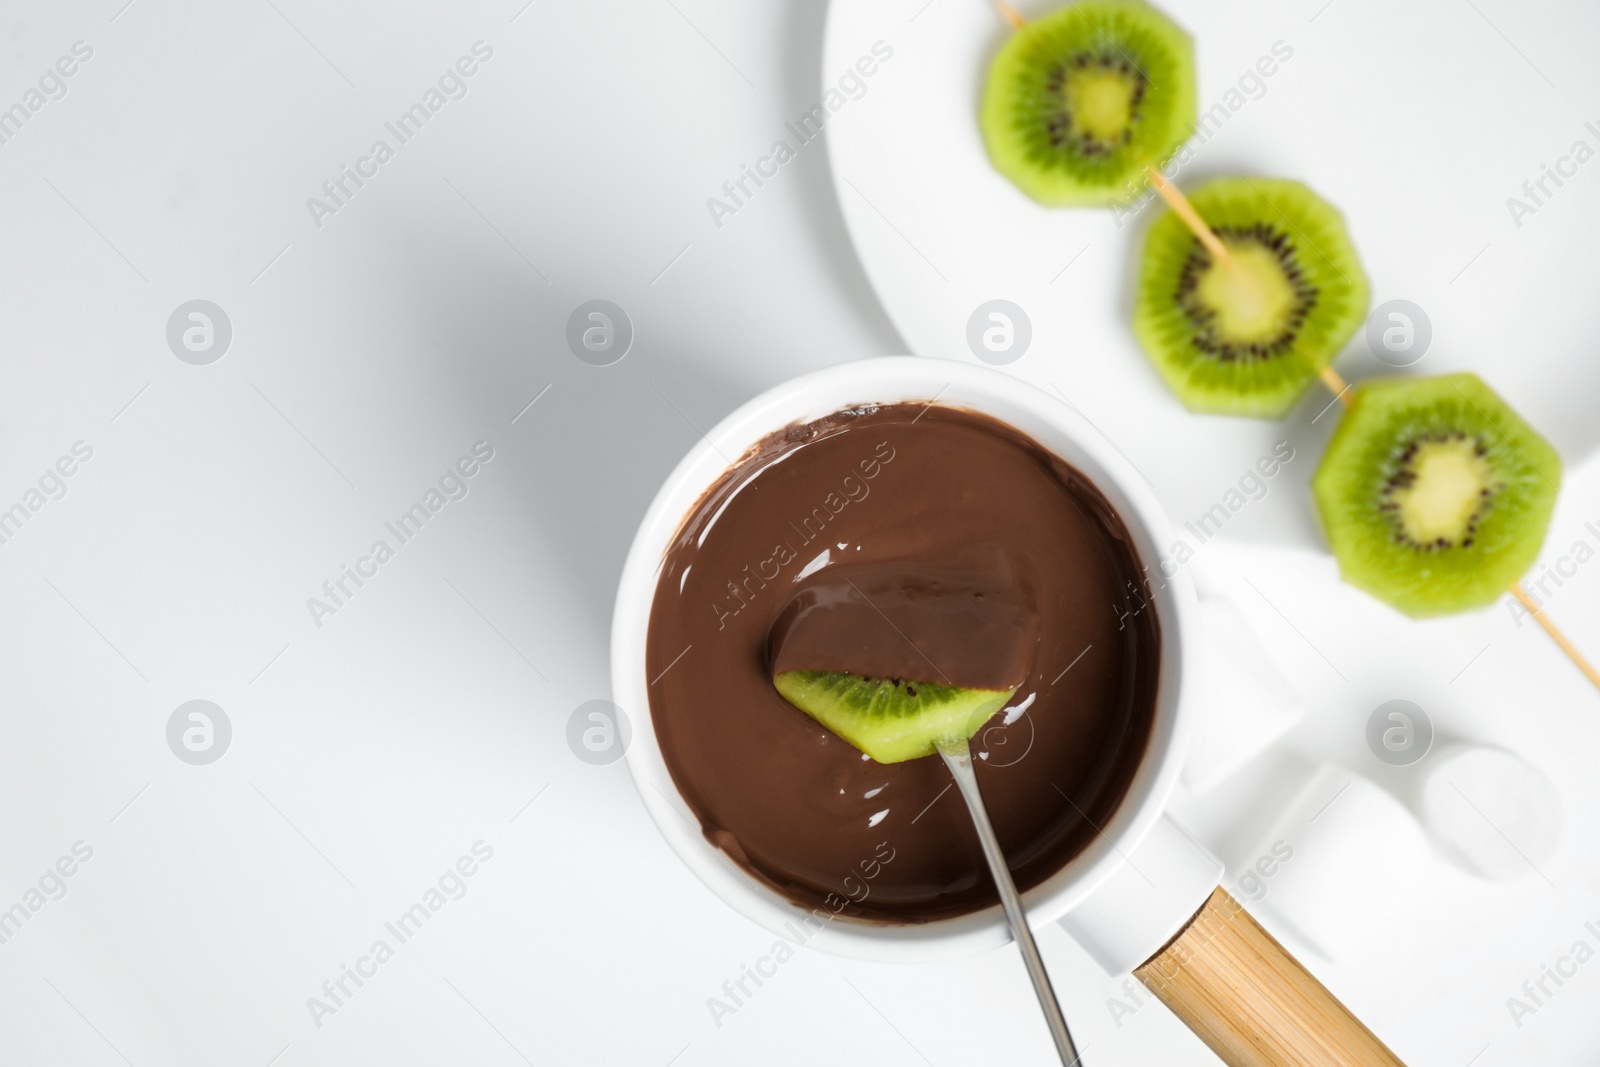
[[1080, 100], [1248, 339], [890, 719], [1434, 494]]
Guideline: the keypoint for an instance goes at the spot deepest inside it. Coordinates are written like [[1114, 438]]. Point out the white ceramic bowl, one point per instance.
[[890, 380]]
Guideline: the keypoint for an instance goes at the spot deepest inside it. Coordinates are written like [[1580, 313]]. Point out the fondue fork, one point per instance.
[[958, 757]]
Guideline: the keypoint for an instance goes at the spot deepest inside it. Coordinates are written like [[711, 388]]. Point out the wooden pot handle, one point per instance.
[[1250, 1000]]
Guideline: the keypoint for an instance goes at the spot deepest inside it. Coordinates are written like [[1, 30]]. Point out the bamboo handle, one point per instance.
[[1252, 1002]]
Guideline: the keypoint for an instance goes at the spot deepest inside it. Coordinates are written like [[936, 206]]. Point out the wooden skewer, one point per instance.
[[1331, 378], [1555, 634], [1341, 390], [1191, 218], [1335, 381]]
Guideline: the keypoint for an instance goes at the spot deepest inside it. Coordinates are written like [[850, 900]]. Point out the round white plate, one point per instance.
[[1419, 121]]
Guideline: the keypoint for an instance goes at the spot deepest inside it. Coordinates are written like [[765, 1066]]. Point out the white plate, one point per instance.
[[1418, 120]]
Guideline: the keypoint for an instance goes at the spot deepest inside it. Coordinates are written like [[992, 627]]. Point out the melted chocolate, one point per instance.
[[909, 541], [976, 627]]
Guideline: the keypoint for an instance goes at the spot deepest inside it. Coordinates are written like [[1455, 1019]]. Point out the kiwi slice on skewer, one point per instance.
[[1079, 101], [1434, 494], [890, 719], [1248, 337]]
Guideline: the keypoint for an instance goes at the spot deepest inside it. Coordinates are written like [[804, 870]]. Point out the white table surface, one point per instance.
[[371, 752]]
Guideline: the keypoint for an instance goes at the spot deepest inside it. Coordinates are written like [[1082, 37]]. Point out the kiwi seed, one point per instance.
[[1080, 101], [1443, 485], [1282, 294], [1248, 337], [1434, 494]]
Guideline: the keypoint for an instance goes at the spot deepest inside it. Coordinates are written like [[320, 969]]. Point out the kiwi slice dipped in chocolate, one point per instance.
[[890, 719], [1434, 494], [1080, 100], [1247, 336]]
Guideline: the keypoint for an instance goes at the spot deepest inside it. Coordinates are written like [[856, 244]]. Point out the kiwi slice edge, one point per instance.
[[890, 719], [1434, 494], [1304, 288], [1079, 100]]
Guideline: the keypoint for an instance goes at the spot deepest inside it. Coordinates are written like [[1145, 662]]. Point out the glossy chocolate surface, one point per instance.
[[911, 541]]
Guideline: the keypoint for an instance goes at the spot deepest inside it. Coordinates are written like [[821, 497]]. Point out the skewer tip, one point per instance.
[[1561, 640]]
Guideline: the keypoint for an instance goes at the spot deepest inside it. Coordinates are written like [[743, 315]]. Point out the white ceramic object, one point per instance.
[[939, 231], [1245, 704], [1121, 934], [1490, 811], [1315, 870]]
